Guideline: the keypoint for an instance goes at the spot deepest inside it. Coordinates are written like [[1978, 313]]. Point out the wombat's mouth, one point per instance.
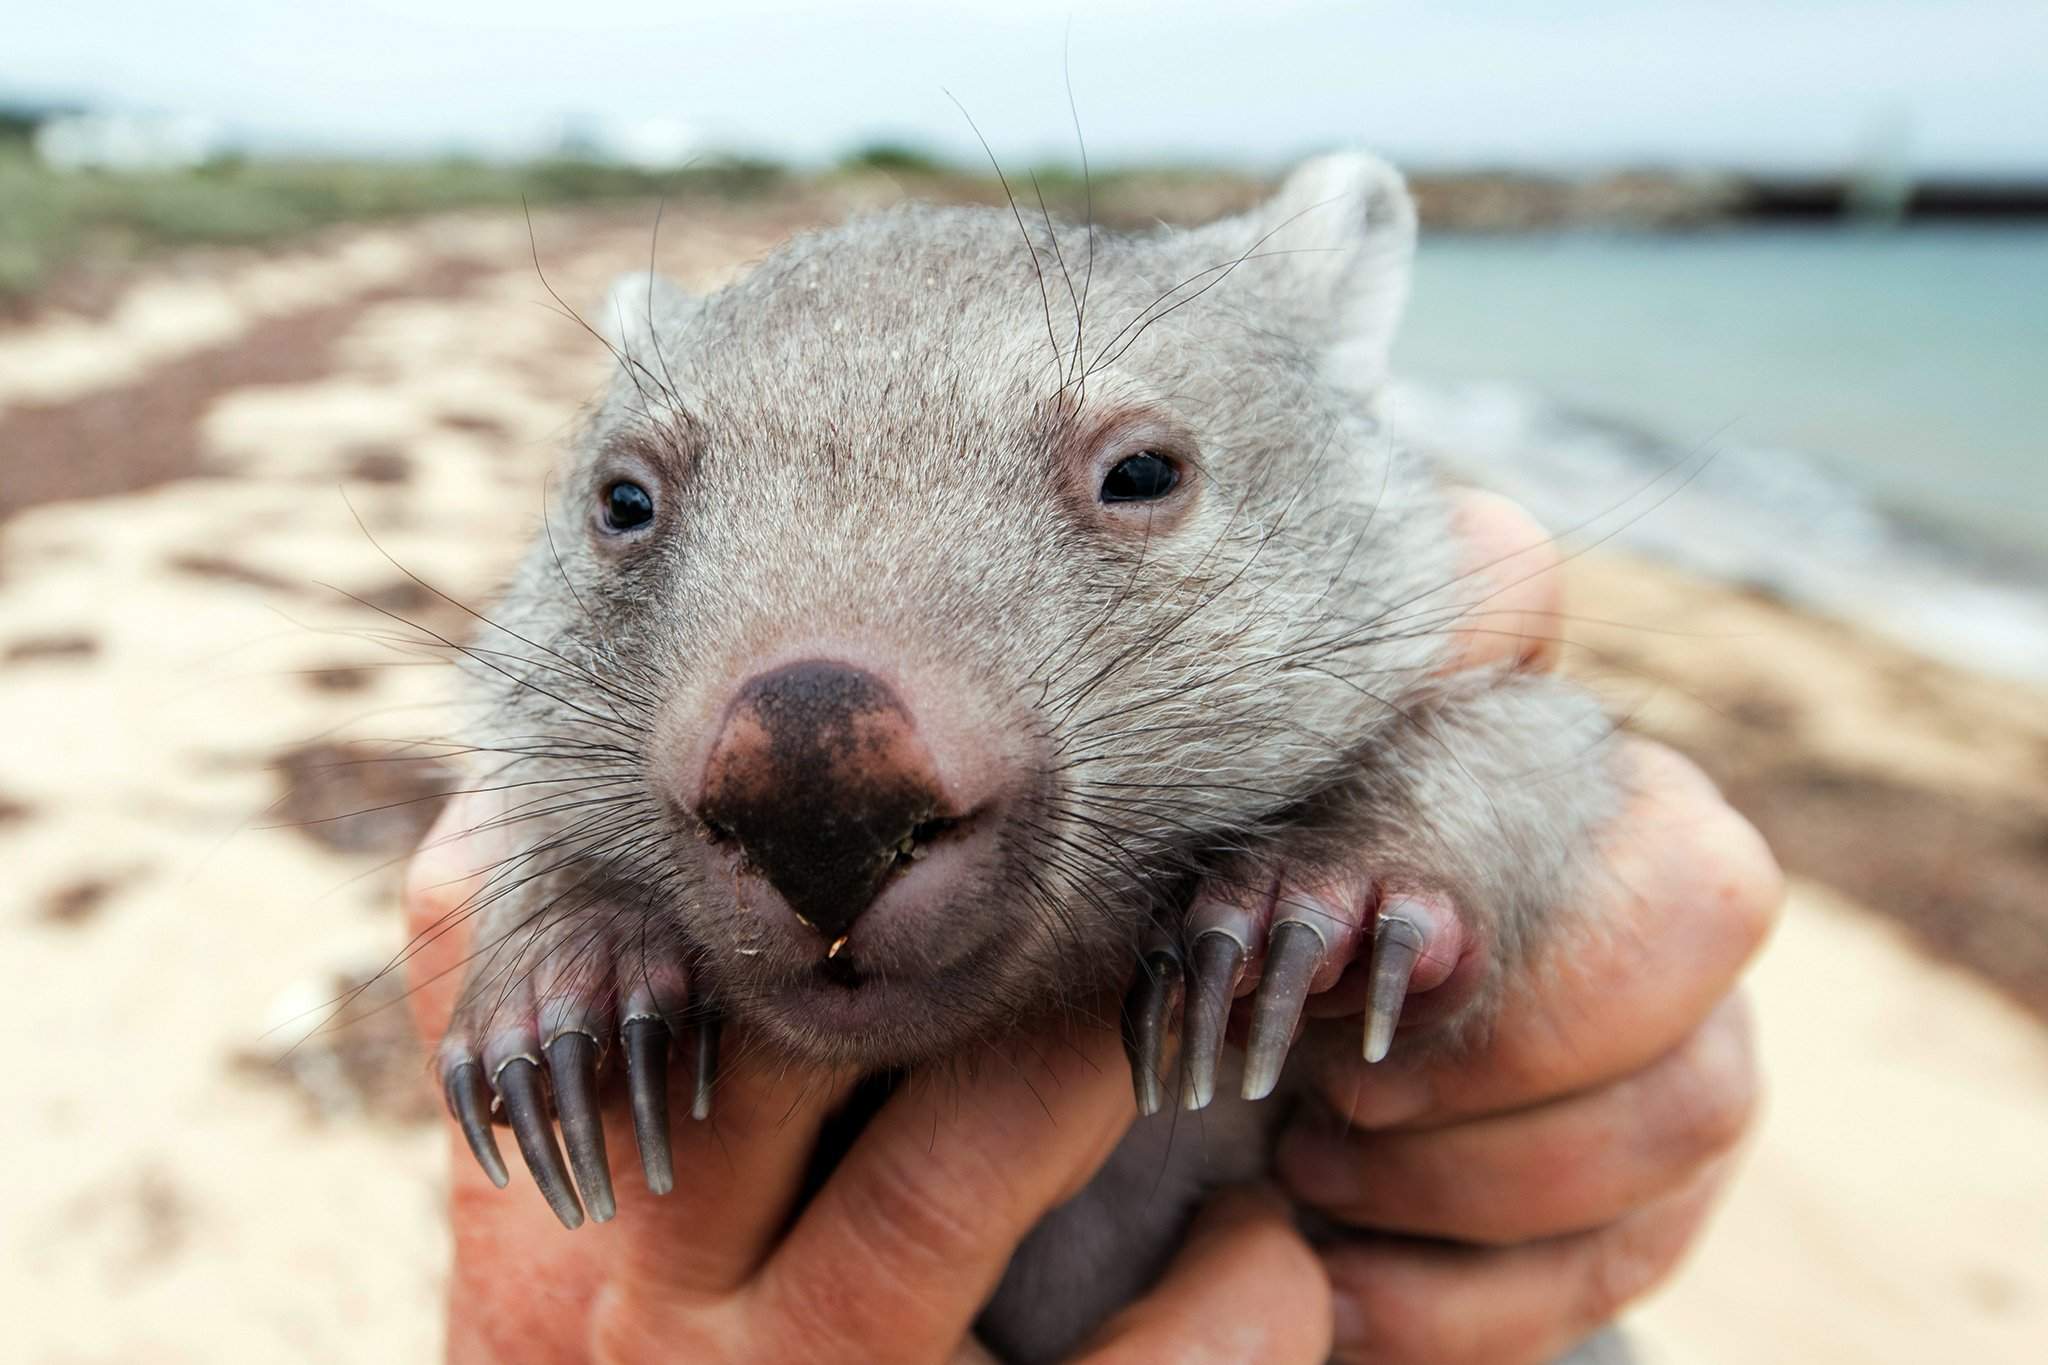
[[841, 971], [921, 900], [916, 845], [850, 1011], [933, 833]]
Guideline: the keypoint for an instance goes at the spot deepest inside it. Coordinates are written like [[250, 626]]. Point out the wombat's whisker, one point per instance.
[[484, 656], [574, 670], [1037, 268]]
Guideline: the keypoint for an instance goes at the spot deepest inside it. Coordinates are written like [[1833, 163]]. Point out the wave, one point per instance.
[[1775, 520]]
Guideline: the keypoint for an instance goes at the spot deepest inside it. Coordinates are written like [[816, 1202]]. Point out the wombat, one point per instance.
[[964, 617]]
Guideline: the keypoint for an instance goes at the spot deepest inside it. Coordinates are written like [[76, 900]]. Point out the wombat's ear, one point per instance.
[[1332, 250], [640, 309]]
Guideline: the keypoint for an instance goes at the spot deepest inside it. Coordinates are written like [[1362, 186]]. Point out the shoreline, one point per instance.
[[236, 202]]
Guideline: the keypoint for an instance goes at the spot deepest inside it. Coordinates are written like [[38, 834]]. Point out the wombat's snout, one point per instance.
[[820, 775]]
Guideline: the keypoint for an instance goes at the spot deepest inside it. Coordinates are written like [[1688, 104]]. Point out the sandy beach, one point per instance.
[[209, 652]]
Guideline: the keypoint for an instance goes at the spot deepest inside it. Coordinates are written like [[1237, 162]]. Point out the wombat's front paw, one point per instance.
[[528, 1047], [1276, 939]]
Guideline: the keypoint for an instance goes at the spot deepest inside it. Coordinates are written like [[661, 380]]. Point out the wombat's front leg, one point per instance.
[[564, 979], [1410, 897]]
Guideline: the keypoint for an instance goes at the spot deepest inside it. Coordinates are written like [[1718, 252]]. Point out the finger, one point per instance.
[[1578, 1163], [1518, 599], [1684, 893], [518, 1287], [738, 1176], [443, 879], [1245, 1286], [908, 1238], [1399, 1302], [515, 1275]]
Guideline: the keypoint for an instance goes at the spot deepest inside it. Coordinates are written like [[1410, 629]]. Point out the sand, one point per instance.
[[184, 664]]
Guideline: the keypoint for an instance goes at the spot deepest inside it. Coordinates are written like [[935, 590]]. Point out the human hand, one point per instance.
[[895, 1255], [1563, 1168], [1545, 1230]]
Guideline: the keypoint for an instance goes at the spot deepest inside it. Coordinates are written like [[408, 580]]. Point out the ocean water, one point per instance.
[[1858, 418]]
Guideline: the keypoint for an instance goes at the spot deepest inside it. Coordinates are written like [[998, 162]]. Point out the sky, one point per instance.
[[1793, 85]]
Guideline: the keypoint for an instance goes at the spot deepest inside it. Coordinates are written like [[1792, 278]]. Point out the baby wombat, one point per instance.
[[959, 618]]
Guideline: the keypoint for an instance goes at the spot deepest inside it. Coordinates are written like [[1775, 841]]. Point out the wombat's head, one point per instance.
[[954, 590]]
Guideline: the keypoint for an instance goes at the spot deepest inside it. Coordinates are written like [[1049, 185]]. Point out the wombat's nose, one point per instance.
[[821, 778]]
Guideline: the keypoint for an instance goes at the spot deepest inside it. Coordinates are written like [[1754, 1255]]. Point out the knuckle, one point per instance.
[[1719, 1085], [433, 885], [1701, 842], [1628, 1259], [1620, 1270], [1495, 526], [1389, 1323], [1666, 776], [1514, 564], [463, 840], [419, 888], [1752, 886]]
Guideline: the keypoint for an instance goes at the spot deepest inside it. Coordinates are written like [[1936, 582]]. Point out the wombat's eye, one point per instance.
[[1140, 478], [627, 505]]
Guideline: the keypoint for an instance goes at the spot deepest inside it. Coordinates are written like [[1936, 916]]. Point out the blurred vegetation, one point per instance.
[[51, 217], [1125, 191], [895, 158]]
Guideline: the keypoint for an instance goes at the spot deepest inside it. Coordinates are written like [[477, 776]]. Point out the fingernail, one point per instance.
[[1319, 1166]]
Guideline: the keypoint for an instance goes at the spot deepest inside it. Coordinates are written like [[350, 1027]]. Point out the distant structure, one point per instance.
[[1879, 185], [20, 117], [648, 144], [113, 141]]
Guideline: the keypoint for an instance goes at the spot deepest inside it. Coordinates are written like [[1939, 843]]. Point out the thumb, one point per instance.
[[444, 882]]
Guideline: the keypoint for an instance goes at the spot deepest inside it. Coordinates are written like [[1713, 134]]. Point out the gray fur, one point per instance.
[[871, 438]]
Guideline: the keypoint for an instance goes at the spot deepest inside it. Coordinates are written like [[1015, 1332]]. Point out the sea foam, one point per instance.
[[1776, 520]]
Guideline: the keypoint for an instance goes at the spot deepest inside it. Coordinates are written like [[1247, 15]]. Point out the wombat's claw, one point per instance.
[[1292, 940], [541, 1047], [1219, 964], [470, 1102], [519, 1086], [1294, 952], [572, 1066], [647, 1037], [1396, 947], [1147, 1011], [707, 1068]]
